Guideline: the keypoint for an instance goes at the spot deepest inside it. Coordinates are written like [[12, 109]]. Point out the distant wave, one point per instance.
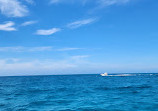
[[124, 87]]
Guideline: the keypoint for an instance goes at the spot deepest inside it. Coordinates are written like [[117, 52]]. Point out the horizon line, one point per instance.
[[76, 74]]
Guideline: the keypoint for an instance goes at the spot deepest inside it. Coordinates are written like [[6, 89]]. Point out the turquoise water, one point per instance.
[[79, 93]]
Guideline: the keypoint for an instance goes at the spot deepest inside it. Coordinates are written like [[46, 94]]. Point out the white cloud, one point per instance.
[[111, 2], [25, 49], [49, 48], [83, 2], [13, 8], [101, 2], [47, 32], [8, 26], [30, 1], [79, 57], [28, 23], [68, 49], [80, 23], [15, 66], [35, 49]]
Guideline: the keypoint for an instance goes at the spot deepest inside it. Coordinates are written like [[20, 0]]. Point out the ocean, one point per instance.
[[138, 92]]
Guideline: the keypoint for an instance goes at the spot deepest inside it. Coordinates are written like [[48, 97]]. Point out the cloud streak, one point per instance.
[[28, 23], [111, 2], [69, 49], [13, 8], [78, 57], [80, 23], [100, 2], [25, 49], [8, 26], [47, 32], [30, 1], [35, 49]]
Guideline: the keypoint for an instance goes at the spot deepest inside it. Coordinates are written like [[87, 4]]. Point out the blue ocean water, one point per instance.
[[79, 93]]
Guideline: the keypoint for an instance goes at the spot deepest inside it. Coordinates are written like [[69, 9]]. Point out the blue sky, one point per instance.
[[78, 36]]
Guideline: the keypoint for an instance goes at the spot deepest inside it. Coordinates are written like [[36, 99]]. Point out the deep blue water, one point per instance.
[[79, 93]]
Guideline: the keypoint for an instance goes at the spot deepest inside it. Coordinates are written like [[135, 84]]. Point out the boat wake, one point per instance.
[[106, 74]]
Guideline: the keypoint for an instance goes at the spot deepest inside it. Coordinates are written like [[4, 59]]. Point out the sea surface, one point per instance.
[[137, 92]]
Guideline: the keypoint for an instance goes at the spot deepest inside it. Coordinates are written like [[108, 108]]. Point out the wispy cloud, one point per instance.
[[8, 26], [111, 2], [28, 23], [83, 2], [101, 2], [13, 8], [30, 1], [35, 49], [17, 66], [33, 67], [78, 57], [48, 32], [68, 49], [25, 49], [80, 23]]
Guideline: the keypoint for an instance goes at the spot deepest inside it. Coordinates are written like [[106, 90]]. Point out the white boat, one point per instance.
[[104, 74]]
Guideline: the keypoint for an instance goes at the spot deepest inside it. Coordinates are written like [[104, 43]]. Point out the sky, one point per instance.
[[46, 37]]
